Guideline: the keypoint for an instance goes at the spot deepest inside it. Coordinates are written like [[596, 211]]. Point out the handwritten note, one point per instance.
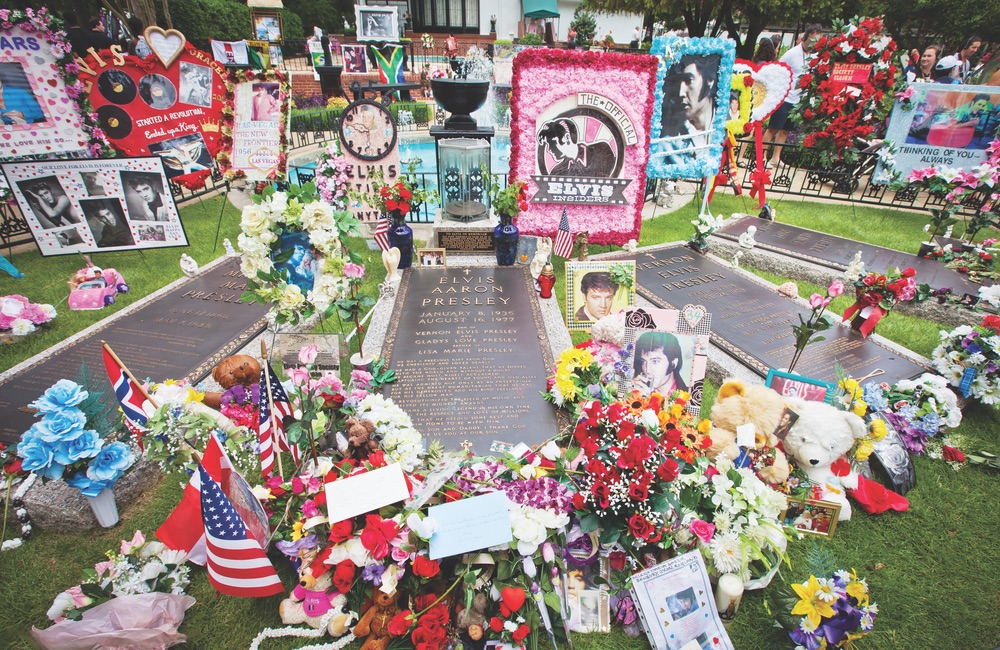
[[470, 525], [355, 495]]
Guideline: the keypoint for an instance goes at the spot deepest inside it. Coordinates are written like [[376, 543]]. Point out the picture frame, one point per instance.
[[355, 58], [602, 295], [432, 257], [800, 386], [690, 107], [267, 26], [295, 257], [376, 23], [811, 516]]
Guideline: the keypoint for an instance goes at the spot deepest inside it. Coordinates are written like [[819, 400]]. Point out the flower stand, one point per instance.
[[105, 508]]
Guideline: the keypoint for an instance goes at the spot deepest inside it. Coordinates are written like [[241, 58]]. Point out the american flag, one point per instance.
[[183, 530], [271, 432], [237, 565], [564, 240], [129, 395], [382, 233]]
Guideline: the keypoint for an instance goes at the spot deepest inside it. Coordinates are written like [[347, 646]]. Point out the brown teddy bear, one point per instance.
[[374, 624], [738, 404], [473, 619], [238, 369], [360, 438]]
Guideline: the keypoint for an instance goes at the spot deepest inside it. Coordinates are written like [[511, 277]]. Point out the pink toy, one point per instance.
[[94, 288]]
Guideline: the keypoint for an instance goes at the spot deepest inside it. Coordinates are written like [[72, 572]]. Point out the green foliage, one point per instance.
[[328, 15], [531, 39], [200, 20], [585, 24], [291, 26], [421, 111]]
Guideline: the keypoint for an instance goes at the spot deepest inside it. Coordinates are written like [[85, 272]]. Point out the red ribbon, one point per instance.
[[760, 177], [873, 318]]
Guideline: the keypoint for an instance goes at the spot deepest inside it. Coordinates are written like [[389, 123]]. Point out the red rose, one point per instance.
[[908, 272], [376, 535], [640, 527], [435, 617], [452, 495], [578, 501], [496, 625], [424, 601], [341, 531], [376, 459], [626, 430], [425, 568], [391, 205], [400, 623], [992, 322], [602, 495], [432, 636], [384, 192], [617, 560], [953, 454], [520, 633], [667, 472], [637, 492], [343, 576], [405, 194], [14, 467]]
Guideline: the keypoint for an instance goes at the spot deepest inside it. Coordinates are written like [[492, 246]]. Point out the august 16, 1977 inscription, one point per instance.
[[470, 352]]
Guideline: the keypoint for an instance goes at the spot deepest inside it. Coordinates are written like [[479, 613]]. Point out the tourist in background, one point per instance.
[[99, 40], [138, 46], [765, 51], [922, 69], [961, 71], [777, 127], [78, 37]]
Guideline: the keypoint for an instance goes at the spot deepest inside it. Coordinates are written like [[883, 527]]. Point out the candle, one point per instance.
[[728, 594]]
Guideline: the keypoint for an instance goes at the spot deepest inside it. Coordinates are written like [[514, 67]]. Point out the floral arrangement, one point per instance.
[[399, 440], [60, 447], [956, 184], [917, 408], [877, 294], [851, 397], [399, 197], [427, 42], [333, 176], [704, 226], [669, 49], [817, 322], [138, 567], [263, 223], [836, 114], [20, 317], [979, 263], [586, 372], [315, 401], [832, 611], [511, 200], [969, 358], [904, 98], [542, 77], [223, 157]]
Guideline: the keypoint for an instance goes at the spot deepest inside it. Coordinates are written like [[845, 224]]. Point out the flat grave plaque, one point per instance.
[[472, 355], [183, 333], [753, 324], [837, 252], [464, 240]]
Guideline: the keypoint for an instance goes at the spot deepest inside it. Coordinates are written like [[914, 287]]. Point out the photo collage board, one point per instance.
[[87, 206]]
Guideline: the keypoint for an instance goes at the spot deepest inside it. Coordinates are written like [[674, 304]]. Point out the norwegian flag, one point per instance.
[[382, 233], [183, 530], [237, 564], [564, 240], [130, 396], [271, 432]]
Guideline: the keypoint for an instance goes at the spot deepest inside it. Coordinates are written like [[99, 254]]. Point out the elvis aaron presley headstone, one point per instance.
[[472, 356], [754, 324]]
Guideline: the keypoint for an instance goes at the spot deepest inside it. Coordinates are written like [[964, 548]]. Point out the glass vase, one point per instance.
[[505, 238]]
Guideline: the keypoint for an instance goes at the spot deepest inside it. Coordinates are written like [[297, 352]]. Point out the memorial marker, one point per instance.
[[183, 333], [837, 253], [753, 324], [471, 353]]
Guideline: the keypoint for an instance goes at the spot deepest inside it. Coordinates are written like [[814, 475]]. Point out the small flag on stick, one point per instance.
[[564, 240], [382, 233]]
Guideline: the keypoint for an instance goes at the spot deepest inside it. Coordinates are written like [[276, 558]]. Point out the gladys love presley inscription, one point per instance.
[[471, 353], [753, 323]]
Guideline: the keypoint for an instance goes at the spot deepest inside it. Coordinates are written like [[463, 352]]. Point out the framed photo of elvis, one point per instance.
[[592, 294], [376, 23], [690, 106], [579, 139]]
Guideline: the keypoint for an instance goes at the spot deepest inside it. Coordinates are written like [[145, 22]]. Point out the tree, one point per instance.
[[585, 25]]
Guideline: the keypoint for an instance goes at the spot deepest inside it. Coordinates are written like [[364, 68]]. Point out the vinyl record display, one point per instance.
[[115, 121], [116, 86]]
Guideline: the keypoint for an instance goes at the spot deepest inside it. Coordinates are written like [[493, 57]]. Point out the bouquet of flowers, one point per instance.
[[917, 408], [139, 567], [877, 294], [399, 440], [20, 317], [577, 378], [511, 200], [969, 358], [333, 175], [399, 197], [60, 447]]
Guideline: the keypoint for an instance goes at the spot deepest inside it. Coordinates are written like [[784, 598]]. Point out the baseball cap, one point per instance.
[[948, 62]]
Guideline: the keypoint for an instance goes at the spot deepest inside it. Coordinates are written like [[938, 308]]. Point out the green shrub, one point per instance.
[[531, 39], [585, 24], [199, 20], [421, 111], [503, 42]]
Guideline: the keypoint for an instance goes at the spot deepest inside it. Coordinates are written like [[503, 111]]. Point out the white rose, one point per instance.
[[48, 310], [21, 327], [551, 451], [153, 569], [291, 298], [10, 307], [254, 220], [357, 552], [62, 604], [277, 203], [317, 215]]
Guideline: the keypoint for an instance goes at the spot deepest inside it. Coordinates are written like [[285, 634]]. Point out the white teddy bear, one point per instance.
[[821, 436]]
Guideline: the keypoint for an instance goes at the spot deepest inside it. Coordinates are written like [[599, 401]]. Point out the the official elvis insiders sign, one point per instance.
[[580, 137]]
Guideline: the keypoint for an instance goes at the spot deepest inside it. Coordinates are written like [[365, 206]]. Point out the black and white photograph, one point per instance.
[[68, 237], [183, 155], [157, 91], [585, 144], [49, 202], [144, 197], [376, 23], [196, 84], [19, 103], [94, 182], [151, 233], [106, 219]]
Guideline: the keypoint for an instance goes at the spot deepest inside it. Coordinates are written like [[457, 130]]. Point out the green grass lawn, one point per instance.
[[930, 569]]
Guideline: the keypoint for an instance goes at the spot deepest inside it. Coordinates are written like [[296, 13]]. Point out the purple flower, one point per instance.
[[373, 574]]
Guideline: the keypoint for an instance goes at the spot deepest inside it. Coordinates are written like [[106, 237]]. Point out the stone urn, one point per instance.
[[461, 98]]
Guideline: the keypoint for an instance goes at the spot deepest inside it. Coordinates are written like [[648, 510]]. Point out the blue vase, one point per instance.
[[401, 237], [505, 238]]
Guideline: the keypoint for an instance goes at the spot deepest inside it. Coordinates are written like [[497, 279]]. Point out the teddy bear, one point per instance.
[[817, 443], [473, 619], [360, 438], [237, 369], [738, 404], [374, 623], [311, 599]]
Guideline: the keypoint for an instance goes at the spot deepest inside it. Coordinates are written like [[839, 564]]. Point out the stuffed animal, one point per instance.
[[238, 369], [311, 600], [817, 443], [542, 253], [473, 619], [738, 404], [178, 395], [374, 623], [360, 438]]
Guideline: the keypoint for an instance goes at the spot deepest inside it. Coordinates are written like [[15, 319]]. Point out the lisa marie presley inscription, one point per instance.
[[476, 290]]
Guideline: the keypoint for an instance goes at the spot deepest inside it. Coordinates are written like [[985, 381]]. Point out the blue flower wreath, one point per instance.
[[668, 49]]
